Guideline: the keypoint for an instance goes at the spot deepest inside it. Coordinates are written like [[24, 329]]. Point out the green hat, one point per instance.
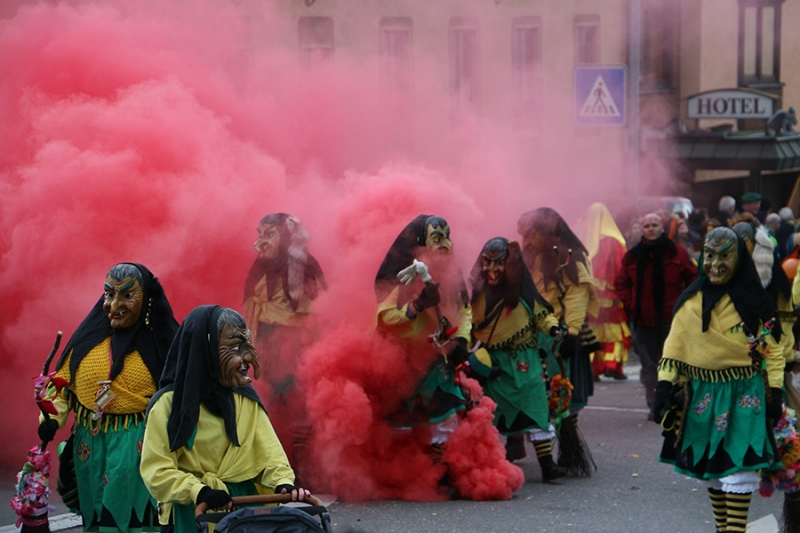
[[751, 197]]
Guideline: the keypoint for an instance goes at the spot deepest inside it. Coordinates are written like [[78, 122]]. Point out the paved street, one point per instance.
[[631, 491]]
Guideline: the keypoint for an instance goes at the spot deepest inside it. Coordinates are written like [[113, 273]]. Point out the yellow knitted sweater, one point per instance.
[[718, 354], [133, 386]]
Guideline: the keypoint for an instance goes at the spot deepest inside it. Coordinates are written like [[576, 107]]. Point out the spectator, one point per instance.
[[773, 224], [654, 274], [634, 233], [751, 203], [786, 214], [727, 207], [677, 231], [698, 225], [785, 233], [744, 216], [766, 207]]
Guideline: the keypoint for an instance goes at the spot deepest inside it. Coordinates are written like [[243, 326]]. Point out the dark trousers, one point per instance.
[[649, 344]]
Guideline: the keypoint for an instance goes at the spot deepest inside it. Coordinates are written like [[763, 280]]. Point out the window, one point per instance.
[[587, 39], [316, 39], [658, 45], [759, 42], [395, 47], [464, 63], [526, 60]]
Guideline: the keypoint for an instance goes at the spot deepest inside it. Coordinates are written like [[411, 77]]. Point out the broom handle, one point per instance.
[[45, 370], [202, 507], [46, 367]]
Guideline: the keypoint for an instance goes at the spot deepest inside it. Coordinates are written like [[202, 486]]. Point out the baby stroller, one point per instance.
[[275, 519]]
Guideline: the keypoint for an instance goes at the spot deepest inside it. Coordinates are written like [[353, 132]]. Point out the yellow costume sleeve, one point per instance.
[[394, 320], [212, 460], [776, 363], [544, 319], [787, 319], [483, 355], [576, 301], [166, 478], [796, 288], [464, 322], [388, 312], [580, 300]]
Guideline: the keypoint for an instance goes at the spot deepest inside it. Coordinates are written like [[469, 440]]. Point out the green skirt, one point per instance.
[[725, 430], [519, 391], [112, 496], [436, 398]]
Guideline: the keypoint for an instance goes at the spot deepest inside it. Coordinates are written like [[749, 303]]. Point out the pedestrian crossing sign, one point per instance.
[[600, 95]]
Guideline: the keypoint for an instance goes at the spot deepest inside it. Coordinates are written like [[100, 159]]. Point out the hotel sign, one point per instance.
[[731, 103]]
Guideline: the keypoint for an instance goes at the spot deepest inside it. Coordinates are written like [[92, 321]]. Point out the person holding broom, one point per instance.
[[419, 288], [112, 364], [559, 265]]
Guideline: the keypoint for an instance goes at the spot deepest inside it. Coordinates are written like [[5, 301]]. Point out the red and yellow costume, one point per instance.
[[606, 247]]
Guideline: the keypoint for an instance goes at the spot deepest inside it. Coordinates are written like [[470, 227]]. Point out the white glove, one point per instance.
[[417, 268]]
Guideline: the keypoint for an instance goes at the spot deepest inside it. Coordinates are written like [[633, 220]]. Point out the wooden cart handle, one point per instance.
[[202, 507]]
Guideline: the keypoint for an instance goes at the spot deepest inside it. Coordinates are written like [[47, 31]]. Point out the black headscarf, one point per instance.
[[192, 371], [151, 336], [744, 289], [518, 283], [780, 284], [402, 253], [556, 234], [656, 252], [278, 268]]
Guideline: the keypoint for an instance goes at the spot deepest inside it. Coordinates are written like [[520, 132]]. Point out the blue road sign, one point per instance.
[[600, 95]]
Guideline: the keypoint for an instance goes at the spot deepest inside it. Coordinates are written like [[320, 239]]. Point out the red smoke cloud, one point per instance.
[[161, 132]]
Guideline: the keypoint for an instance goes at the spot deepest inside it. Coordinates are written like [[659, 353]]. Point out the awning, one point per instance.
[[753, 151]]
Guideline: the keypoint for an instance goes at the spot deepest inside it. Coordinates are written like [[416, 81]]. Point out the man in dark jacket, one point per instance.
[[654, 273]]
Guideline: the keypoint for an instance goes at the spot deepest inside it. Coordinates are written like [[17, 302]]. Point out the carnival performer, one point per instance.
[[207, 434], [653, 275], [560, 267], [506, 312], [280, 288], [112, 362], [425, 306], [605, 246], [719, 385]]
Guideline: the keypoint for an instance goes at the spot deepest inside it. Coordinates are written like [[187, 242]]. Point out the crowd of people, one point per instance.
[[166, 417]]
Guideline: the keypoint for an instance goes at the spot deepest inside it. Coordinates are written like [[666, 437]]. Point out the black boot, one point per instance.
[[550, 470], [515, 447]]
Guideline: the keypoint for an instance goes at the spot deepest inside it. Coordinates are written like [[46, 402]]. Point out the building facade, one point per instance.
[[514, 60]]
